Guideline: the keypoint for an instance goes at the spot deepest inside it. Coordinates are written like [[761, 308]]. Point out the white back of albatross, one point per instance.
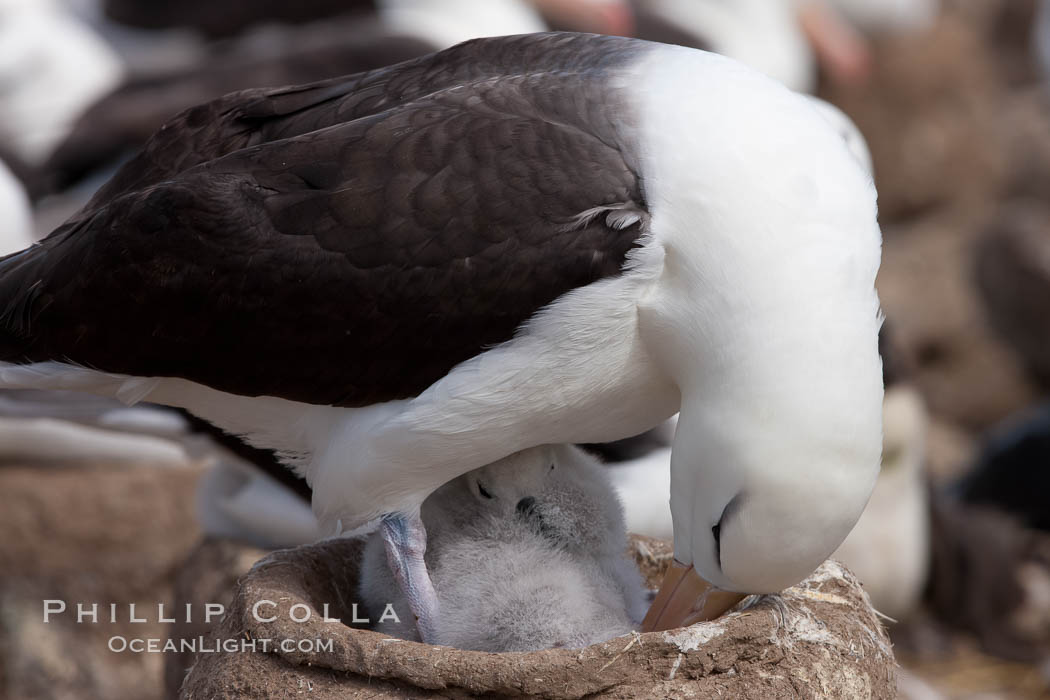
[[400, 276]]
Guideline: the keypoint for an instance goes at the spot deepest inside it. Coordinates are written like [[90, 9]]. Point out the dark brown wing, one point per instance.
[[347, 265], [571, 69]]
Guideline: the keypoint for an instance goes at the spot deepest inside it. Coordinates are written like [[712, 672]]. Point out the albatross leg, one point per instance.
[[406, 542]]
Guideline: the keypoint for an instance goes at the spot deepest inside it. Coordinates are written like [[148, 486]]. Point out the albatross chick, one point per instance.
[[526, 553]]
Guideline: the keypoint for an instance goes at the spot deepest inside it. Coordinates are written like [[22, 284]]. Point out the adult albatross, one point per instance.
[[399, 276]]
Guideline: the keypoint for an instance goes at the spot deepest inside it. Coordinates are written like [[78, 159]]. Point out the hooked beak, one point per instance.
[[685, 598]]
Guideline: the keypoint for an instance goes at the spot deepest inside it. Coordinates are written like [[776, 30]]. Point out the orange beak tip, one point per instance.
[[685, 598]]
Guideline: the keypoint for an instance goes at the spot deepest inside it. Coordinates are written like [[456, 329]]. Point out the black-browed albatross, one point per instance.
[[399, 276]]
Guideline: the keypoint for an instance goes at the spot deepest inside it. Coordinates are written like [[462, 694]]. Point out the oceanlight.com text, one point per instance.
[[203, 645]]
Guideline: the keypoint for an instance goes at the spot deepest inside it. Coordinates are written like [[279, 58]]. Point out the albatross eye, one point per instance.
[[483, 492], [717, 532]]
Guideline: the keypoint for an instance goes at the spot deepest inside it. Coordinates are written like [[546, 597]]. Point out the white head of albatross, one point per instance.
[[774, 302], [519, 241]]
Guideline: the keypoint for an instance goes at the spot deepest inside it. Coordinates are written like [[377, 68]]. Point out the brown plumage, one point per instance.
[[345, 242]]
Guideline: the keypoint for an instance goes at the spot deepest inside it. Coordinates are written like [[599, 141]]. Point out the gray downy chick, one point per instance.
[[526, 553]]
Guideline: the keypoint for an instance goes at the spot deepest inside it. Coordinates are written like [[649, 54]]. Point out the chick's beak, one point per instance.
[[685, 598]]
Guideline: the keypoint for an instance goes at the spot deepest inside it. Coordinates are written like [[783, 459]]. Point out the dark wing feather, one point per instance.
[[571, 67], [347, 265]]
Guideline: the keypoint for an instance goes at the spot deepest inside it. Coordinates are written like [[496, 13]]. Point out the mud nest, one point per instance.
[[819, 639]]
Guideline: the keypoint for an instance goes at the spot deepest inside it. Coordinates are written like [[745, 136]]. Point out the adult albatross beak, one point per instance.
[[685, 598]]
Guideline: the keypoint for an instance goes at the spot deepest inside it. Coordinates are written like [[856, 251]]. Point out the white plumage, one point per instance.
[[16, 215], [848, 130], [52, 67], [237, 501], [54, 440], [449, 22], [764, 34], [889, 15], [59, 426], [888, 549], [644, 485], [786, 39]]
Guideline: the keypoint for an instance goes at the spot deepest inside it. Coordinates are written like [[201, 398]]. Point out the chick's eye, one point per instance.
[[483, 492], [552, 466]]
